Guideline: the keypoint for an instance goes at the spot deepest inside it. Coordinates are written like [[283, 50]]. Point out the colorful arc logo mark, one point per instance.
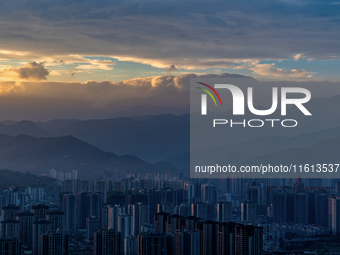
[[209, 93], [204, 97]]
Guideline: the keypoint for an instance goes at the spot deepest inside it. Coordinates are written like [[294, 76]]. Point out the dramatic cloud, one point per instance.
[[93, 99], [32, 71], [181, 33], [81, 40], [49, 100]]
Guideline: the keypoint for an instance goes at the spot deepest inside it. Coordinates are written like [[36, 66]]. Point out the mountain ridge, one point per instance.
[[38, 155]]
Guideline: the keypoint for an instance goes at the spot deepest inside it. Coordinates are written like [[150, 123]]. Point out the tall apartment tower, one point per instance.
[[89, 205], [208, 193], [57, 219], [248, 240], [39, 227], [334, 213], [39, 211], [54, 243], [69, 209], [140, 214], [82, 212], [224, 212], [113, 213], [9, 223], [25, 220], [92, 226], [10, 246], [106, 242], [149, 243], [125, 227], [9, 212], [248, 211], [187, 243]]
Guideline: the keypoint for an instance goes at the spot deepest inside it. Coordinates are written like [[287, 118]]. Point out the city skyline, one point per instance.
[[163, 214]]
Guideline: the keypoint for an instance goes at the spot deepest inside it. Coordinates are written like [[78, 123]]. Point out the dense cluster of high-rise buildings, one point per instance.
[[147, 214]]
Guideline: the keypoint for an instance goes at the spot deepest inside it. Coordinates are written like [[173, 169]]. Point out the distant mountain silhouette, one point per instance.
[[140, 110], [55, 125], [151, 138], [23, 127], [39, 155], [158, 137], [8, 122]]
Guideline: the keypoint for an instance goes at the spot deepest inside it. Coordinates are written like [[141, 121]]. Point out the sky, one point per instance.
[[94, 59]]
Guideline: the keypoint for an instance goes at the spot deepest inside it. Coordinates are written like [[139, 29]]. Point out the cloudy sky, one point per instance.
[[93, 59]]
